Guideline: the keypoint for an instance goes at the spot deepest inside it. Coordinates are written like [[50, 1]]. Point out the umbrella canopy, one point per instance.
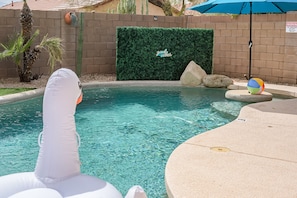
[[246, 7]]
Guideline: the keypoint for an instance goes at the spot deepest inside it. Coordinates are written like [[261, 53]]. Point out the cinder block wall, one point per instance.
[[90, 47], [8, 26], [48, 23], [274, 52], [99, 37]]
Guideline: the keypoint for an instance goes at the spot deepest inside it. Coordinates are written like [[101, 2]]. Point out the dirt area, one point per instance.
[[41, 82]]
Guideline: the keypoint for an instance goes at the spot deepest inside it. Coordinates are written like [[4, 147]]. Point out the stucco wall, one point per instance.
[[274, 52]]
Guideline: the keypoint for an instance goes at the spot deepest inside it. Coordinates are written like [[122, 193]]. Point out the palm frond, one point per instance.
[[30, 41], [15, 47], [6, 53], [55, 49]]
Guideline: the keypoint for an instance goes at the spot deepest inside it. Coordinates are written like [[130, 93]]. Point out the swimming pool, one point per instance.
[[127, 133]]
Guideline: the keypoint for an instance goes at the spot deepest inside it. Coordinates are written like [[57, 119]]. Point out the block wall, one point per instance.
[[99, 36], [90, 47], [274, 52]]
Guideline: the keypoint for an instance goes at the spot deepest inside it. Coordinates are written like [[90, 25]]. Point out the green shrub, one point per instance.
[[137, 48]]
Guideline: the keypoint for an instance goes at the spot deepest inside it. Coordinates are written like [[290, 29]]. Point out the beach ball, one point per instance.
[[255, 86]]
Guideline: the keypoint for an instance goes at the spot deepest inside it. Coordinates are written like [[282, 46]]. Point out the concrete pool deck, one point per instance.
[[253, 156]]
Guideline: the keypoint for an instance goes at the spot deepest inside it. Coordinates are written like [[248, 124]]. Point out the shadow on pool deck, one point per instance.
[[253, 156]]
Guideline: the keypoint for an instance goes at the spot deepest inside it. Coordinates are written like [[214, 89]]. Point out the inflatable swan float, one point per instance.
[[57, 172]]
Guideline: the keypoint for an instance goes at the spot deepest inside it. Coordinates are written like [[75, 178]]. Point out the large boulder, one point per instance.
[[216, 80], [192, 75]]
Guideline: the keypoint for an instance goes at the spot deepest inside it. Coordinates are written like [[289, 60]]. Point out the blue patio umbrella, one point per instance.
[[246, 7]]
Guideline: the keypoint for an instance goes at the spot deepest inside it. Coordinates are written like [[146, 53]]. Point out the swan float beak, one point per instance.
[[81, 95], [79, 99]]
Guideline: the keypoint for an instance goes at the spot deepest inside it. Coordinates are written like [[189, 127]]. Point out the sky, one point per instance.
[[5, 2]]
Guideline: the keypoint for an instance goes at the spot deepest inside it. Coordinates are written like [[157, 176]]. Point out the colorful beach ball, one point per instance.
[[255, 86]]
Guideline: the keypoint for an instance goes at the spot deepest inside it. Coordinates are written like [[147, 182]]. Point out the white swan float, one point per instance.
[[57, 172]]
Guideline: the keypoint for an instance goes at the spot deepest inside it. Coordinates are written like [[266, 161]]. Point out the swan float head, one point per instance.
[[58, 155]]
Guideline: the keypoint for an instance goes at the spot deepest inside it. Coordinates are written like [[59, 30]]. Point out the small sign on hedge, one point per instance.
[[163, 53]]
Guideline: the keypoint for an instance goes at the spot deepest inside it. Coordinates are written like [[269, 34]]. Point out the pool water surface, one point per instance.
[[127, 134]]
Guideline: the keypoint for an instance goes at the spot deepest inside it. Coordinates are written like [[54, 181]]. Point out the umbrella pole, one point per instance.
[[250, 45]]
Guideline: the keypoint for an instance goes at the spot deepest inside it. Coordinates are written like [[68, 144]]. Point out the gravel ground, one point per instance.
[[41, 82]]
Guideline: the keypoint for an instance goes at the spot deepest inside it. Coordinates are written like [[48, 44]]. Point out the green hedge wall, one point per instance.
[[137, 48]]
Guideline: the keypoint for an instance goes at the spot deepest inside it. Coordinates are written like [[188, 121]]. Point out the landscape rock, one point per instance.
[[192, 75], [217, 81], [245, 96]]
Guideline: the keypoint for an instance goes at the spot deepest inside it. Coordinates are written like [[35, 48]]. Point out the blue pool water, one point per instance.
[[127, 134]]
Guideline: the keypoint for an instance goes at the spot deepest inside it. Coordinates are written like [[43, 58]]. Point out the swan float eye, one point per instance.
[[79, 85]]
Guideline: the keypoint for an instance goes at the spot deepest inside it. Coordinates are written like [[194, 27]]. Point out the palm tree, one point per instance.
[[16, 49], [27, 23], [19, 49]]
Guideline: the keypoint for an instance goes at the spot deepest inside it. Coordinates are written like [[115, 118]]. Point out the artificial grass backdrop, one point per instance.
[[137, 48]]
